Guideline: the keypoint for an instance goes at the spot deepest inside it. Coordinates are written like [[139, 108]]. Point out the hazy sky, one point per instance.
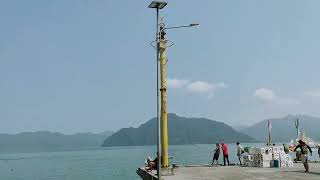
[[76, 66]]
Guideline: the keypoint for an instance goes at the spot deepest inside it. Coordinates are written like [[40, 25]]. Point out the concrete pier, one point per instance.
[[236, 173]]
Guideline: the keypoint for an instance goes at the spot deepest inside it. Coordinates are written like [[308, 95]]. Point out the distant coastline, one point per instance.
[[49, 141]]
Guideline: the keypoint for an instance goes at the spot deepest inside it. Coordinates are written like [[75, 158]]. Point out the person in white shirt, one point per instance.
[[239, 152]]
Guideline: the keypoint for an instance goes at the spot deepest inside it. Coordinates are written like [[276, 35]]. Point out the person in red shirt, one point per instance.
[[225, 153]]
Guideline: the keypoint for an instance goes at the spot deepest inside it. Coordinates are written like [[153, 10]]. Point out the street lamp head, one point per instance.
[[193, 25], [157, 4]]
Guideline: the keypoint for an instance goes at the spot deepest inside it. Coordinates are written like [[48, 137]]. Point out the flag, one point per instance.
[[269, 125]]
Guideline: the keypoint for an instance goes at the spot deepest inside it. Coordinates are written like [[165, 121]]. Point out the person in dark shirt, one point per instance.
[[285, 148], [152, 164], [155, 162], [216, 154], [304, 151]]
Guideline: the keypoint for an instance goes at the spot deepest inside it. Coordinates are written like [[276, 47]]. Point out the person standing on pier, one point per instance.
[[285, 148], [304, 151], [225, 152], [239, 152], [216, 154]]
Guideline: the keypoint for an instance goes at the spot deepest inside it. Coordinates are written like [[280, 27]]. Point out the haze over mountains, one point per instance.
[[283, 129], [49, 141], [182, 130]]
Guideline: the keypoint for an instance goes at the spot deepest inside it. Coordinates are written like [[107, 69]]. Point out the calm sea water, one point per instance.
[[98, 164]]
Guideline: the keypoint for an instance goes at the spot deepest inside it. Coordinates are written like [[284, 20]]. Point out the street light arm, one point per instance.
[[176, 27]]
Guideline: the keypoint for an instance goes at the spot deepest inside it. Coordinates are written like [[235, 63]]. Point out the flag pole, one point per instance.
[[269, 141], [269, 138]]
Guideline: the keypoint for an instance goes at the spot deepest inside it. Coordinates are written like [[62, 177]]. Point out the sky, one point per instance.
[[87, 66]]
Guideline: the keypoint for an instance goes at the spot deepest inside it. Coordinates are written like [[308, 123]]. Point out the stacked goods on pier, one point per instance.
[[266, 157]]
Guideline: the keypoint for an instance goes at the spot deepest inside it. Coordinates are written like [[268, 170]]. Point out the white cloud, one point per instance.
[[197, 87], [312, 93], [204, 87], [263, 93], [176, 83], [269, 95], [200, 87]]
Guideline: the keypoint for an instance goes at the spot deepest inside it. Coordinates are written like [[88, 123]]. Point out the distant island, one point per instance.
[[49, 141], [283, 129], [182, 130]]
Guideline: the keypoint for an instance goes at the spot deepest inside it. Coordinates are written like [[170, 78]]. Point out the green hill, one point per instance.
[[283, 129], [182, 130]]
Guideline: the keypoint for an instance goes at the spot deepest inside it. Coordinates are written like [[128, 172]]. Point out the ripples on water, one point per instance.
[[115, 163]]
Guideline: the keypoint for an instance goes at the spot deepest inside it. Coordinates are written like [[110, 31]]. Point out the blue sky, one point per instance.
[[78, 66]]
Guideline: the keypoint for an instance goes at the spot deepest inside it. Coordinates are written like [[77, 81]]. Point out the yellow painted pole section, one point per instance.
[[164, 114]]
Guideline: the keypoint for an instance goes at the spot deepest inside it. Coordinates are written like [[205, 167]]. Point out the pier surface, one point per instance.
[[237, 173]]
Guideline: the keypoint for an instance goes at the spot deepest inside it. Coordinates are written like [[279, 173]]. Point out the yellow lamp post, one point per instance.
[[163, 44], [162, 125]]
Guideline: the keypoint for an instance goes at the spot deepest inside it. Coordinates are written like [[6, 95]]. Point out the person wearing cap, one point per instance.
[[304, 151], [225, 153]]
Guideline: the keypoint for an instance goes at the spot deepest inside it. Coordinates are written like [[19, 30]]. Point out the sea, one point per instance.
[[111, 163]]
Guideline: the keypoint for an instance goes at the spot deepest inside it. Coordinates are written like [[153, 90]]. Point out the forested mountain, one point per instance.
[[182, 130]]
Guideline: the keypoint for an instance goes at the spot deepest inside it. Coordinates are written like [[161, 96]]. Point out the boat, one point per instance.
[[310, 142], [302, 136]]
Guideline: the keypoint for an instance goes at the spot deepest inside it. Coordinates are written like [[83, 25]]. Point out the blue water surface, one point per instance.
[[115, 163]]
